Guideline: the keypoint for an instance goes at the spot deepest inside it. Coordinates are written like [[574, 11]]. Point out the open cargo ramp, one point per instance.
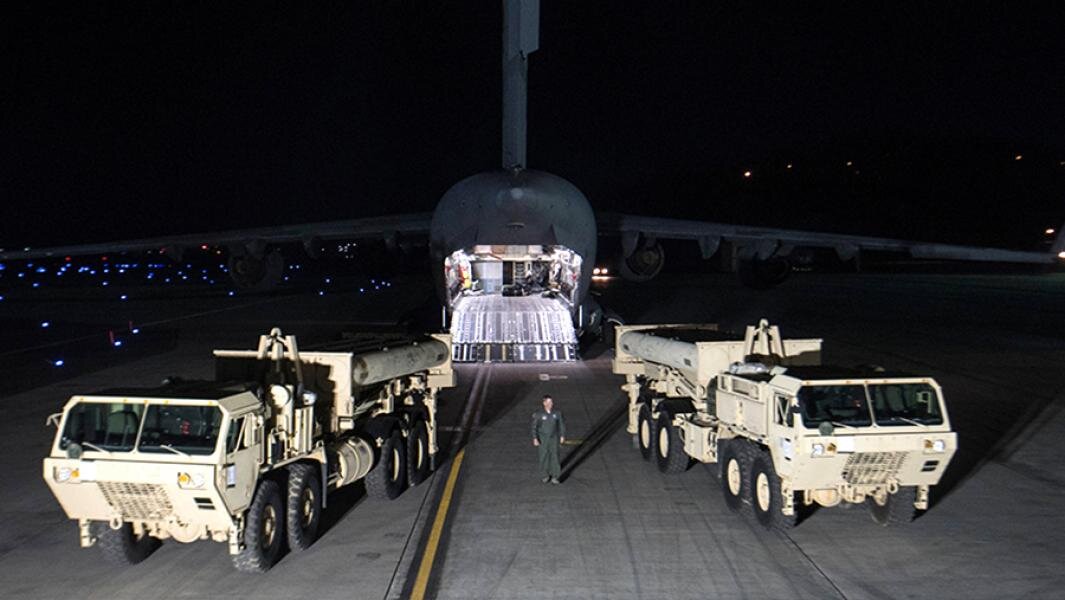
[[493, 328]]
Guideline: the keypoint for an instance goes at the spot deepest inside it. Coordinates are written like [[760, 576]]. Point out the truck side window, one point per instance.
[[783, 414], [235, 435]]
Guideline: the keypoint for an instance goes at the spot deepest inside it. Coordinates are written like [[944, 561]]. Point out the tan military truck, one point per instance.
[[786, 432], [248, 459]]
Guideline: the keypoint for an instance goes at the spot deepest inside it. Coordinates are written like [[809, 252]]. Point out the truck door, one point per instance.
[[240, 470], [781, 430]]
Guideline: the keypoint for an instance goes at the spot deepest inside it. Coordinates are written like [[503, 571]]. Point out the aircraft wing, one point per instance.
[[386, 228], [765, 242]]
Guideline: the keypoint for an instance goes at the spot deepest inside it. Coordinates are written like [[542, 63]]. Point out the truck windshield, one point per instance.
[[840, 404], [110, 426], [905, 404], [187, 429]]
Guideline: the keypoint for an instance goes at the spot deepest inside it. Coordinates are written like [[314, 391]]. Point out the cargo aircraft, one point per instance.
[[513, 250]]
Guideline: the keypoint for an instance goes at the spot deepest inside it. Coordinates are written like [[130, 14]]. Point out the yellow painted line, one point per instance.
[[426, 568]]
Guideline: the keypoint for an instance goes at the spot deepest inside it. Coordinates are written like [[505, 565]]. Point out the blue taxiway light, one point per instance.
[[104, 284], [21, 275], [123, 297], [3, 267], [361, 290], [118, 344], [45, 324], [328, 280], [1, 298], [321, 293], [58, 363], [231, 293], [135, 330], [41, 270], [36, 284]]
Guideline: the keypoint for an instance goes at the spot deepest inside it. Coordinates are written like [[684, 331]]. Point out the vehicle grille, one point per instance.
[[872, 467], [137, 500]]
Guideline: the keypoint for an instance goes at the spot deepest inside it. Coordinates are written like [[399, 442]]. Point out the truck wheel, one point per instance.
[[262, 530], [645, 431], [304, 505], [670, 452], [766, 496], [122, 546], [418, 453], [733, 474], [387, 477], [897, 508]]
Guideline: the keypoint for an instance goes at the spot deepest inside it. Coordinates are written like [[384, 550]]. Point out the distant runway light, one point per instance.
[[328, 280], [58, 363], [850, 163], [135, 330], [1061, 255], [321, 293], [123, 297], [1018, 157], [45, 324], [1050, 231], [231, 293], [104, 284], [361, 290], [789, 166], [747, 174]]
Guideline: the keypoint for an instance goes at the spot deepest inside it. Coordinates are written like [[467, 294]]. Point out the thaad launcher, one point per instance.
[[248, 458], [786, 431]]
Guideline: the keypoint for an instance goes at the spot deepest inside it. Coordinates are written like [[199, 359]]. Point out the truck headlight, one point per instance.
[[818, 450], [190, 482], [64, 474], [935, 445]]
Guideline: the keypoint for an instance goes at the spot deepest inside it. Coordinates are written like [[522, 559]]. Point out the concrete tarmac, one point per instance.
[[616, 527]]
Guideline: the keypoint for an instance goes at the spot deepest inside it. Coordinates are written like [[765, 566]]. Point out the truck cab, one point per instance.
[[843, 435], [166, 462]]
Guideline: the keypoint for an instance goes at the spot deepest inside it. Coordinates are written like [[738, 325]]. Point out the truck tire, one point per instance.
[[766, 497], [733, 473], [263, 526], [897, 509], [122, 546], [645, 431], [304, 505], [669, 448], [388, 476], [418, 452]]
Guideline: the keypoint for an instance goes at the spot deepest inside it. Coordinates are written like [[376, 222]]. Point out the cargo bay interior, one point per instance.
[[513, 303]]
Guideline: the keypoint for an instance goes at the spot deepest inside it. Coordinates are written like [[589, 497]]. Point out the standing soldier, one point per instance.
[[548, 434]]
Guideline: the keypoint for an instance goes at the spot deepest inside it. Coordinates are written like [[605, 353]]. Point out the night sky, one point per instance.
[[167, 118]]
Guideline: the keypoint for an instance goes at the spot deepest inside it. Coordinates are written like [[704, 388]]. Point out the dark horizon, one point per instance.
[[165, 119]]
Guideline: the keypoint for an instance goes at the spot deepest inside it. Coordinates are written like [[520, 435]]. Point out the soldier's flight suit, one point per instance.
[[549, 429]]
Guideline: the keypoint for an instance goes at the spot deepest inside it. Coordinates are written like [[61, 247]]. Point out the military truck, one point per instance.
[[248, 458], [785, 431]]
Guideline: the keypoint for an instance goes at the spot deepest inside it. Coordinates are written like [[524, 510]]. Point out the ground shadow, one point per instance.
[[609, 423]]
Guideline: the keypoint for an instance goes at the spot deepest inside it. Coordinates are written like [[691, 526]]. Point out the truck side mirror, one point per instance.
[[53, 420]]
